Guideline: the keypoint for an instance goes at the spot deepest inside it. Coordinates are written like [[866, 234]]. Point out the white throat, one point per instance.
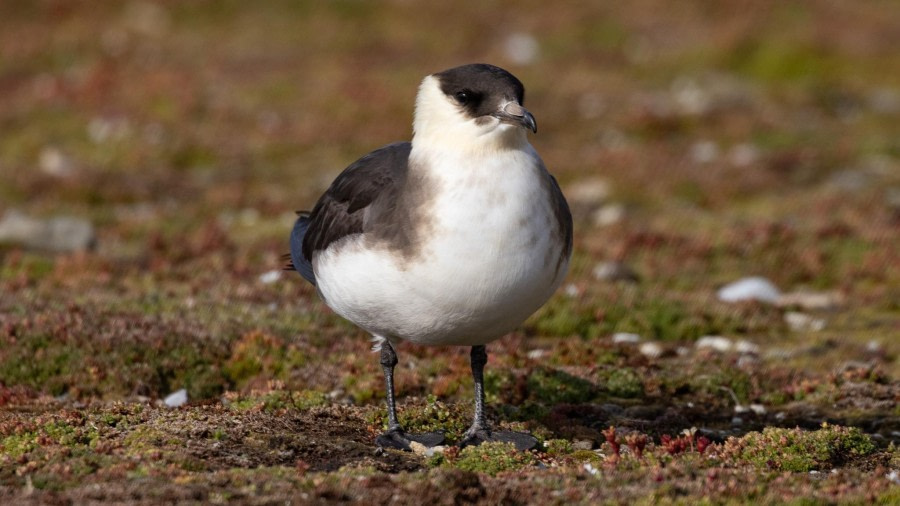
[[440, 124]]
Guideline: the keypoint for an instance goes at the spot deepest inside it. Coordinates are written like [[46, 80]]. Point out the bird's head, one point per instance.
[[475, 106]]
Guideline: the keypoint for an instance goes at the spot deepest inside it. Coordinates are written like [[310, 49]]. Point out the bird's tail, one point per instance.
[[296, 260]]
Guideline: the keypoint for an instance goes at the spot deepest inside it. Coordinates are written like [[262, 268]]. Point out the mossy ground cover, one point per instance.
[[726, 143]]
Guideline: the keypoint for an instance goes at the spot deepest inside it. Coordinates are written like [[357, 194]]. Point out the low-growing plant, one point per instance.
[[489, 458], [798, 450]]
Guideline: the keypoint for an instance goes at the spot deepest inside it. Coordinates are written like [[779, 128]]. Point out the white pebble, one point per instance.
[[589, 192], [176, 398], [270, 277], [433, 450], [803, 322], [718, 343], [746, 347], [811, 300], [418, 448], [521, 48], [744, 154], [54, 162], [610, 214], [894, 476], [759, 409], [751, 288], [651, 350], [625, 337], [536, 354], [704, 151]]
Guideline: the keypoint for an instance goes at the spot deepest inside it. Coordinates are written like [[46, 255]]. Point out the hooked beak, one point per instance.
[[515, 114]]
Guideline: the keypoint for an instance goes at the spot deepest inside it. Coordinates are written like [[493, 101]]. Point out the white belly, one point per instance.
[[493, 257]]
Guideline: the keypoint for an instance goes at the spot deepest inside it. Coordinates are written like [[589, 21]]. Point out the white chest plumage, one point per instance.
[[490, 256]]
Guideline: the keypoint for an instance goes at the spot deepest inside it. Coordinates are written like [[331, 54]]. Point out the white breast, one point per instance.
[[491, 259]]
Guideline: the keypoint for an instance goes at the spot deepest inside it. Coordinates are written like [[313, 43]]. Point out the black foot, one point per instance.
[[521, 440], [400, 440]]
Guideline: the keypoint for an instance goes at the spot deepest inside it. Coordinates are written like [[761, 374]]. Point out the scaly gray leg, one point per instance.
[[395, 436], [480, 431]]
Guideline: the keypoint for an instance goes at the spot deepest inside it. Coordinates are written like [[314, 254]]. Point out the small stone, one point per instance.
[[536, 354], [750, 288], [800, 322], [270, 277], [743, 155], [737, 421], [691, 98], [625, 338], [811, 301], [582, 444], [571, 290], [885, 101], [430, 452], [651, 350], [54, 162], [894, 476], [60, 234], [746, 347], [610, 214], [521, 48], [704, 152], [747, 361], [176, 398], [101, 129], [591, 105], [718, 343], [874, 346], [591, 192], [759, 409], [615, 271], [418, 448]]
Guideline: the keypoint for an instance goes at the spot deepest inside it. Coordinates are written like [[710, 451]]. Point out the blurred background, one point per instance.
[[152, 155]]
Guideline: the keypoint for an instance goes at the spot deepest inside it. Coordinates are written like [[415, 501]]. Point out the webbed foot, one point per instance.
[[521, 440], [400, 440]]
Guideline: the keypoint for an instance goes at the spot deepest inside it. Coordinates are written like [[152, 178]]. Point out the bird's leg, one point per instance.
[[480, 431], [478, 360], [396, 437], [388, 362]]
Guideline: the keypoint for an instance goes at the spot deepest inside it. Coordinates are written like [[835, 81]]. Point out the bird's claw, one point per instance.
[[400, 440], [520, 440]]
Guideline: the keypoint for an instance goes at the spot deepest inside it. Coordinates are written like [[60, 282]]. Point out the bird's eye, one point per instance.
[[463, 97]]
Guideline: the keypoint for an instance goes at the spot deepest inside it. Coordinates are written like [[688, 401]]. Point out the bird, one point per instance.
[[451, 239]]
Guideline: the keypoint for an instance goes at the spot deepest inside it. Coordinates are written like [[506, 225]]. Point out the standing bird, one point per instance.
[[454, 238]]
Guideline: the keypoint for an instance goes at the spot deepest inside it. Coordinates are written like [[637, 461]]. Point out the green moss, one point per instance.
[[561, 318], [798, 450], [277, 400], [258, 354], [720, 376], [551, 386], [894, 451], [625, 382], [558, 447], [490, 458], [435, 416]]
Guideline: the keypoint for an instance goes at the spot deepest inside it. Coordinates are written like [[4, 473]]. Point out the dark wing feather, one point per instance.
[[341, 211], [563, 216], [298, 262]]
